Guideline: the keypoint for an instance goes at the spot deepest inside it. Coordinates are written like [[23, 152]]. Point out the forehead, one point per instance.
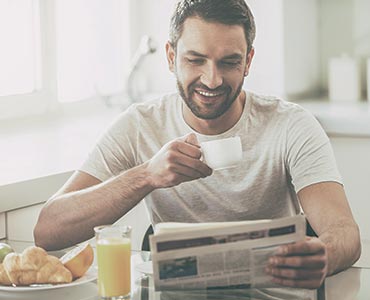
[[212, 38]]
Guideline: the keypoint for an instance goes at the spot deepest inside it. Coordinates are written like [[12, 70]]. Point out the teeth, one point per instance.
[[208, 94]]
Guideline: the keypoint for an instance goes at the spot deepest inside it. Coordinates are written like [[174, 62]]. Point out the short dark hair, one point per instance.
[[229, 12]]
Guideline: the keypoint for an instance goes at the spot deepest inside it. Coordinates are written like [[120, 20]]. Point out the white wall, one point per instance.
[[361, 37], [301, 48], [267, 71], [345, 28], [287, 51], [336, 20], [153, 18]]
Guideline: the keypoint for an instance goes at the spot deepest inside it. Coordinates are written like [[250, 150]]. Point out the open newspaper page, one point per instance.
[[218, 255]]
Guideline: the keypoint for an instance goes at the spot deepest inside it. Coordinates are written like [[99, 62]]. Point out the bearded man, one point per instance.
[[152, 152]]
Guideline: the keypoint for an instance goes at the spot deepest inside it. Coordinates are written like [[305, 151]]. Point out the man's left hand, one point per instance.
[[302, 264]]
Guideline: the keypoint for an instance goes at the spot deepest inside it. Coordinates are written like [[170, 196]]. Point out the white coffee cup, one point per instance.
[[223, 153]]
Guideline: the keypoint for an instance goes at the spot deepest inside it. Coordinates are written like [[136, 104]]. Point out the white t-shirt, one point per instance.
[[284, 150]]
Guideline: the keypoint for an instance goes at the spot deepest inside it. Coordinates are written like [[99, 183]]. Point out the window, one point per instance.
[[19, 47], [93, 52], [32, 52], [56, 51]]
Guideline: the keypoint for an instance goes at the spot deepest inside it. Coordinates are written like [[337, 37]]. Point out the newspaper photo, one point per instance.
[[219, 255]]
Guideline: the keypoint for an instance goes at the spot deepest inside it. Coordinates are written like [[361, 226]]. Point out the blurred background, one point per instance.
[[69, 67]]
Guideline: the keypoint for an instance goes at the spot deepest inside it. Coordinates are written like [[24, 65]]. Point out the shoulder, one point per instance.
[[274, 108], [150, 110], [156, 107], [274, 104]]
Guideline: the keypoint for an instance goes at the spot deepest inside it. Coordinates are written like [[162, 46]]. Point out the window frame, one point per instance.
[[44, 98]]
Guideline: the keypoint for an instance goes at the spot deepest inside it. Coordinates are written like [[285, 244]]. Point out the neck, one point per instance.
[[220, 124]]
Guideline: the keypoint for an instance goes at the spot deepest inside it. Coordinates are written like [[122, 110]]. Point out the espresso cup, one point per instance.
[[223, 153]]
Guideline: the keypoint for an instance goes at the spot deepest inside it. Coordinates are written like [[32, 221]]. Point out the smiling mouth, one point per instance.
[[209, 94]]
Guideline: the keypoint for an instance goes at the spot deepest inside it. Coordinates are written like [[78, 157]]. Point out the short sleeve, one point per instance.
[[114, 151], [309, 157]]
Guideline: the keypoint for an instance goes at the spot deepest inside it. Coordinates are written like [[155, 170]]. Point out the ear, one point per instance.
[[249, 61], [170, 52]]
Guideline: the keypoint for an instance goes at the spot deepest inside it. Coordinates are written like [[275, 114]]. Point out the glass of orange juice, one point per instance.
[[113, 247]]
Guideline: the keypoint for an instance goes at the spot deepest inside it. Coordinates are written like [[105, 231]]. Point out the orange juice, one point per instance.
[[114, 266]]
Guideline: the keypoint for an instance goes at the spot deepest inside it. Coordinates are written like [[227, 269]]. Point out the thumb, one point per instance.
[[191, 138]]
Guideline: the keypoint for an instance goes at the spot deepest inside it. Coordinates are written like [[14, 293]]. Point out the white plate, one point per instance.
[[90, 275], [145, 268]]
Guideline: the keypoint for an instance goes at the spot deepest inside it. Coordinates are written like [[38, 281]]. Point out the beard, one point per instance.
[[196, 109]]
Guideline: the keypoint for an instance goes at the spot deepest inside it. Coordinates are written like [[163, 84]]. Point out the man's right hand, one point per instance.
[[178, 161]]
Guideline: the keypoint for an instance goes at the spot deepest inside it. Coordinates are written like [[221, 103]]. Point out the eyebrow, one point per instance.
[[231, 56], [195, 53]]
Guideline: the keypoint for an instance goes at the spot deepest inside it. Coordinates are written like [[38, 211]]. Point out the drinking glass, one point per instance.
[[113, 247]]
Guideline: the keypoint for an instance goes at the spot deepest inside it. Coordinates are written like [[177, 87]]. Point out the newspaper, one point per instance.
[[218, 255]]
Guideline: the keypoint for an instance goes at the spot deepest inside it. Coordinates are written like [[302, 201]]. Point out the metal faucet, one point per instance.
[[145, 48]]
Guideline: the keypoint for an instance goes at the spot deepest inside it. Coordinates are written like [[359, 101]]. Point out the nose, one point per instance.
[[211, 77]]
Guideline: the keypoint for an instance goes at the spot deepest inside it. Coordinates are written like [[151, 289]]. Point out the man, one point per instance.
[[152, 151]]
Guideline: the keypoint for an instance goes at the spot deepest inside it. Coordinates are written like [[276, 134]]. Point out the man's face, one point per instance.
[[210, 63]]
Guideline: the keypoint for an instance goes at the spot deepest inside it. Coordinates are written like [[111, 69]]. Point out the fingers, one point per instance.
[[185, 172], [301, 277], [191, 138], [307, 262], [186, 165], [306, 247], [175, 172], [302, 264], [308, 254], [187, 149], [177, 161]]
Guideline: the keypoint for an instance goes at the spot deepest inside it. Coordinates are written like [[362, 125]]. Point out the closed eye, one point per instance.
[[196, 61], [230, 63]]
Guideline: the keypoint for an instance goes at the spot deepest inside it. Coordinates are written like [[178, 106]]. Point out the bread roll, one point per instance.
[[4, 279], [35, 266]]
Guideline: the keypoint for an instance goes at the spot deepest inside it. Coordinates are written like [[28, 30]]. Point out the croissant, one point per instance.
[[35, 266], [4, 279]]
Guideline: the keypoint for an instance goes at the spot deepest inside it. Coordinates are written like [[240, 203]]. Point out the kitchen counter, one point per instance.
[[52, 144], [341, 119]]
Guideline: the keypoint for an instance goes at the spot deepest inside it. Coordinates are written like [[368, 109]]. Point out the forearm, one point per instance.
[[70, 218], [343, 245]]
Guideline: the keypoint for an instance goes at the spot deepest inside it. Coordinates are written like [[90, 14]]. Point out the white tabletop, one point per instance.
[[348, 285]]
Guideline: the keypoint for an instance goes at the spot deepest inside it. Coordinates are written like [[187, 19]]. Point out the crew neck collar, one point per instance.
[[228, 133]]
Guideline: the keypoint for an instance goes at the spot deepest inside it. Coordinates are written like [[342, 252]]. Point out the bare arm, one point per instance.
[[328, 211], [84, 202], [306, 264]]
